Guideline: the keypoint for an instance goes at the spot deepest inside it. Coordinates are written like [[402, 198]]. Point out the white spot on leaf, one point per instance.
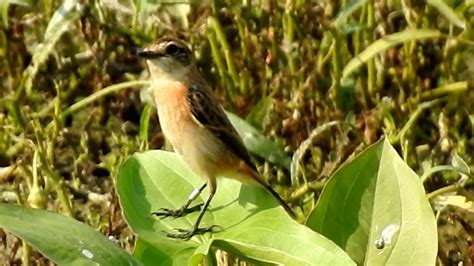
[[386, 236], [87, 253]]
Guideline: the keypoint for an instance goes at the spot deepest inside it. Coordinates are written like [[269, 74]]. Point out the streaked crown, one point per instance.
[[168, 48]]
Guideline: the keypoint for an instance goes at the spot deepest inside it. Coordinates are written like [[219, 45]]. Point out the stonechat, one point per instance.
[[197, 128]]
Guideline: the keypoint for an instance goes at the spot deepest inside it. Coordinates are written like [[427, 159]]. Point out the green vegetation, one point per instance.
[[381, 215], [317, 83]]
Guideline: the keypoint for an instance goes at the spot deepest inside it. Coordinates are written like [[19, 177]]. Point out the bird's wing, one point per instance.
[[207, 111]]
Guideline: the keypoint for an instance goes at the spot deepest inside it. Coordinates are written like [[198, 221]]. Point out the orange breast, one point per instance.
[[180, 129], [173, 110], [197, 146]]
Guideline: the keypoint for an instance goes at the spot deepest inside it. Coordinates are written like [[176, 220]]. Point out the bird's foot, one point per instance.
[[186, 234], [183, 211]]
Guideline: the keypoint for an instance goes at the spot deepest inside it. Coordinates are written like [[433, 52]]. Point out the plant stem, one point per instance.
[[436, 169], [411, 121], [219, 61], [288, 30], [371, 80], [443, 190], [59, 188], [103, 92], [457, 87], [26, 254], [313, 186], [220, 34]]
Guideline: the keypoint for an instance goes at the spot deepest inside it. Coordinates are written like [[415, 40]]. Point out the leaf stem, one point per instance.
[[220, 34], [371, 81], [219, 61], [26, 253], [457, 87], [438, 168], [313, 186], [411, 121], [103, 92]]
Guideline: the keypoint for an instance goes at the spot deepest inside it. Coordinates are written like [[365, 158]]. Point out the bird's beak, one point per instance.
[[149, 54]]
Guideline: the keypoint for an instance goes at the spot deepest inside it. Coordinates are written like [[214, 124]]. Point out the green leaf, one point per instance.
[[304, 147], [460, 164], [375, 208], [177, 9], [253, 224], [62, 239], [383, 44], [149, 254], [257, 116], [439, 168], [258, 144], [352, 27], [137, 84], [144, 125], [62, 21], [5, 4], [449, 13], [346, 11]]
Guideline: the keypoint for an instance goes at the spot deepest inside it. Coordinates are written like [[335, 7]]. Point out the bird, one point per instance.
[[197, 128]]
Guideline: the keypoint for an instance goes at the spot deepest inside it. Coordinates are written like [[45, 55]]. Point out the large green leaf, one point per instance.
[[150, 255], [62, 239], [253, 225], [376, 209]]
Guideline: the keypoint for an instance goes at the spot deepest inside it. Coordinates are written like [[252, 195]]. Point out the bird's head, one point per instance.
[[167, 58]]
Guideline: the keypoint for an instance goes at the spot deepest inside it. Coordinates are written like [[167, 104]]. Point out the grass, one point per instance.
[[68, 115]]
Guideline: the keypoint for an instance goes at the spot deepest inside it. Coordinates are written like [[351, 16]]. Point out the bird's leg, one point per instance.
[[186, 234], [165, 212]]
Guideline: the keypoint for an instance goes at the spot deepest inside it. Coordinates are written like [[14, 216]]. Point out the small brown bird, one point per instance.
[[197, 127]]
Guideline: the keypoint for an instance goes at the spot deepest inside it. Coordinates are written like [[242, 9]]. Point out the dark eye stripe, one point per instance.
[[173, 49], [182, 54], [181, 50], [183, 57]]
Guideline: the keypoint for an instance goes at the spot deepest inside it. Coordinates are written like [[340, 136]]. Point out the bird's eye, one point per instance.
[[172, 49]]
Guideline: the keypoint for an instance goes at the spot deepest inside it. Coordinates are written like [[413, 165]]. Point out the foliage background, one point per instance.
[[279, 64]]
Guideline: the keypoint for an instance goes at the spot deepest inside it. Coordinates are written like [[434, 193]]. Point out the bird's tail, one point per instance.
[[259, 179], [280, 200]]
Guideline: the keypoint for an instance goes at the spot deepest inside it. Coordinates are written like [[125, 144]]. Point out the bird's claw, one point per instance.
[[165, 212], [186, 234]]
